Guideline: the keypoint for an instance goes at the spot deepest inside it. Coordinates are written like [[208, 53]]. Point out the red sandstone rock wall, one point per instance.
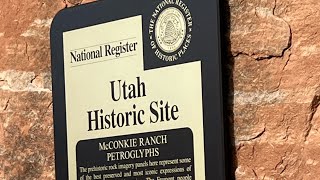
[[273, 69], [26, 131]]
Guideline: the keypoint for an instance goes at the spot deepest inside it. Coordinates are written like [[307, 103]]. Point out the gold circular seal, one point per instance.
[[170, 30]]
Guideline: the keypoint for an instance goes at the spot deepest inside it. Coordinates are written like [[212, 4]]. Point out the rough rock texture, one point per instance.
[[272, 72], [26, 131], [274, 88]]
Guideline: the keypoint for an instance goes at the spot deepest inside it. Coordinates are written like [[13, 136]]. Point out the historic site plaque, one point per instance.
[[137, 91]]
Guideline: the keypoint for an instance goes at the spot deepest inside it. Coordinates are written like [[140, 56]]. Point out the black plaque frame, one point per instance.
[[205, 46]]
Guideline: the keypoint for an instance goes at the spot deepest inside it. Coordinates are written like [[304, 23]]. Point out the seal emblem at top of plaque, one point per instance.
[[170, 30]]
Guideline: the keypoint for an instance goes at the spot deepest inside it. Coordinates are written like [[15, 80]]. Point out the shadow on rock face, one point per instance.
[[74, 2], [228, 89]]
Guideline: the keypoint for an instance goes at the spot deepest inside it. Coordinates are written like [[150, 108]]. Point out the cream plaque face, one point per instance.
[[136, 118]]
